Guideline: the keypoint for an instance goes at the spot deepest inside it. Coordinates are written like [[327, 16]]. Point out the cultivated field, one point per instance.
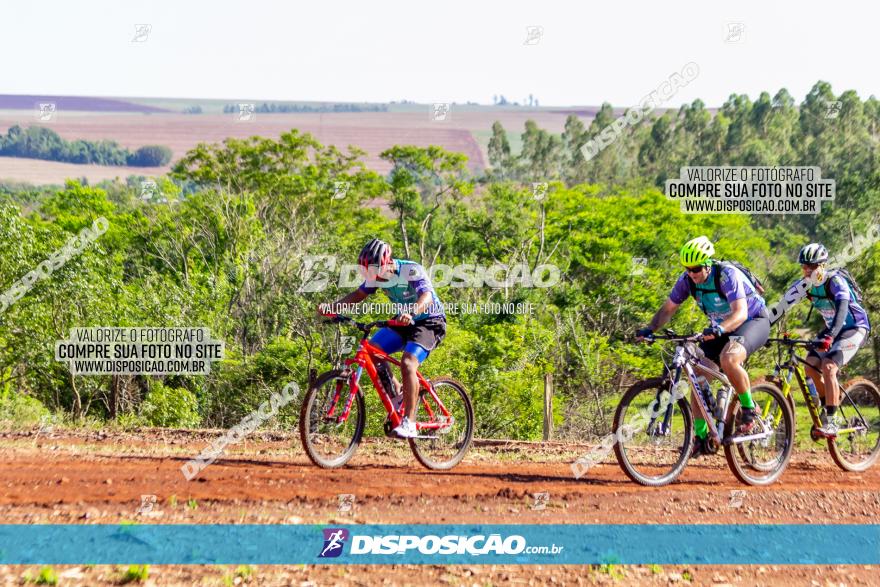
[[466, 132]]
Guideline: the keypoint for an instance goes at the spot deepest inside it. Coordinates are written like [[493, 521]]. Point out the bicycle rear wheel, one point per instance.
[[653, 435], [328, 442], [444, 447], [760, 461], [857, 445]]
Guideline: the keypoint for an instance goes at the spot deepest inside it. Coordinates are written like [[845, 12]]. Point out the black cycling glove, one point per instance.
[[715, 331]]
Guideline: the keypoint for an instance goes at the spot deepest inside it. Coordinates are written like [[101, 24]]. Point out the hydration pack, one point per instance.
[[753, 279]]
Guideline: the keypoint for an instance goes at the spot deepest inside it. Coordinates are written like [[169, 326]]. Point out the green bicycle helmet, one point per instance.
[[697, 251]]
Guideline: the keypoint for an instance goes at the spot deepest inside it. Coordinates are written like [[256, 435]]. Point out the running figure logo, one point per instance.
[[334, 541]]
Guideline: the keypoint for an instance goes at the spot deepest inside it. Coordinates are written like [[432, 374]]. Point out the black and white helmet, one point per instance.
[[813, 253], [375, 253]]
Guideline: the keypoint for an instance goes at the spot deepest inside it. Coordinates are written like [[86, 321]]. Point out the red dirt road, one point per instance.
[[98, 478]]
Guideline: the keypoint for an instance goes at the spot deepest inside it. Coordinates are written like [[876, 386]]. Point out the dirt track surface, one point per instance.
[[85, 477]]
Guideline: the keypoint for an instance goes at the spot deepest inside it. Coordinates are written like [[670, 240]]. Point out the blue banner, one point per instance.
[[441, 544]]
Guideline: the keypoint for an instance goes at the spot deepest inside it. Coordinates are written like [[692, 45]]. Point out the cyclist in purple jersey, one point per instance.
[[739, 323], [846, 329]]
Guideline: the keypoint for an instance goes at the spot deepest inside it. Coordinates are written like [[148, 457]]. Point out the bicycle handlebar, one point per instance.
[[670, 335], [791, 342]]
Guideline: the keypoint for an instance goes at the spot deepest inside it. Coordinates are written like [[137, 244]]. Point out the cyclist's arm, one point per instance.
[[840, 292], [663, 315], [739, 314], [840, 314], [421, 306], [354, 297]]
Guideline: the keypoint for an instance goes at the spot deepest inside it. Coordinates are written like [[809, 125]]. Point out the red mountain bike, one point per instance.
[[333, 416]]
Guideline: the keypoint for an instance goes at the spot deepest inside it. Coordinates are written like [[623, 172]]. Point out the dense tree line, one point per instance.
[[38, 142], [839, 134], [229, 254]]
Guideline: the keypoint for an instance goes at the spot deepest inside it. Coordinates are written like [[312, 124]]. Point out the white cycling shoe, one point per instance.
[[407, 429]]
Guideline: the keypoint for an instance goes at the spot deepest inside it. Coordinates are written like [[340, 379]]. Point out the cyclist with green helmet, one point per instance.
[[846, 329], [740, 323]]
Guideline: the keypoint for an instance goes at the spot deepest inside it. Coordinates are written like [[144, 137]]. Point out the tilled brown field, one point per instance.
[[100, 477]]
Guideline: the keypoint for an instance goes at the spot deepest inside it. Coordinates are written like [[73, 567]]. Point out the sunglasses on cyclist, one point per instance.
[[695, 269], [810, 265]]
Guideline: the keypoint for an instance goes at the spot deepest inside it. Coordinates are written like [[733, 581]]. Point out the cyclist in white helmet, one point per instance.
[[846, 329]]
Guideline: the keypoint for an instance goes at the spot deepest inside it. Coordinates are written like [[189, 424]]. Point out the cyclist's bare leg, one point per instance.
[[409, 366], [732, 358], [832, 387], [814, 374]]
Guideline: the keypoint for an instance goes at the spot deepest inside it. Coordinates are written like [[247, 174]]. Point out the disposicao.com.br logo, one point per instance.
[[394, 544]]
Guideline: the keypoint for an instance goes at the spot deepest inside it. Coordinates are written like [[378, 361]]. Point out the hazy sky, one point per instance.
[[440, 51]]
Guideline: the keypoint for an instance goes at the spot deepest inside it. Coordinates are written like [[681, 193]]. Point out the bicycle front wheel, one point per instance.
[[446, 428], [328, 441], [760, 457], [857, 445], [653, 435]]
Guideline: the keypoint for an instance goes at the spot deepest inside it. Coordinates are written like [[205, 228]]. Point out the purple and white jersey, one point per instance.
[[734, 286]]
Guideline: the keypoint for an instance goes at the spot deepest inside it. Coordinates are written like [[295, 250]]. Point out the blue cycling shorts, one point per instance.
[[418, 339]]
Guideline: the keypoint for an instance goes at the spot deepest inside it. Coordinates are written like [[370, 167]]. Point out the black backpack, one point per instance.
[[753, 279]]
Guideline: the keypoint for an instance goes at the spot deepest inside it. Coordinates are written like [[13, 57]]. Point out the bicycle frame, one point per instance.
[[365, 358], [794, 367], [688, 360]]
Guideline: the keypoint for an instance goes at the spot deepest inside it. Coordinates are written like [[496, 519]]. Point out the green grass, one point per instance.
[[135, 574], [47, 576]]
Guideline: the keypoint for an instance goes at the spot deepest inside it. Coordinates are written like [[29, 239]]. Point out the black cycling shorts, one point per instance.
[[752, 334], [418, 339]]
